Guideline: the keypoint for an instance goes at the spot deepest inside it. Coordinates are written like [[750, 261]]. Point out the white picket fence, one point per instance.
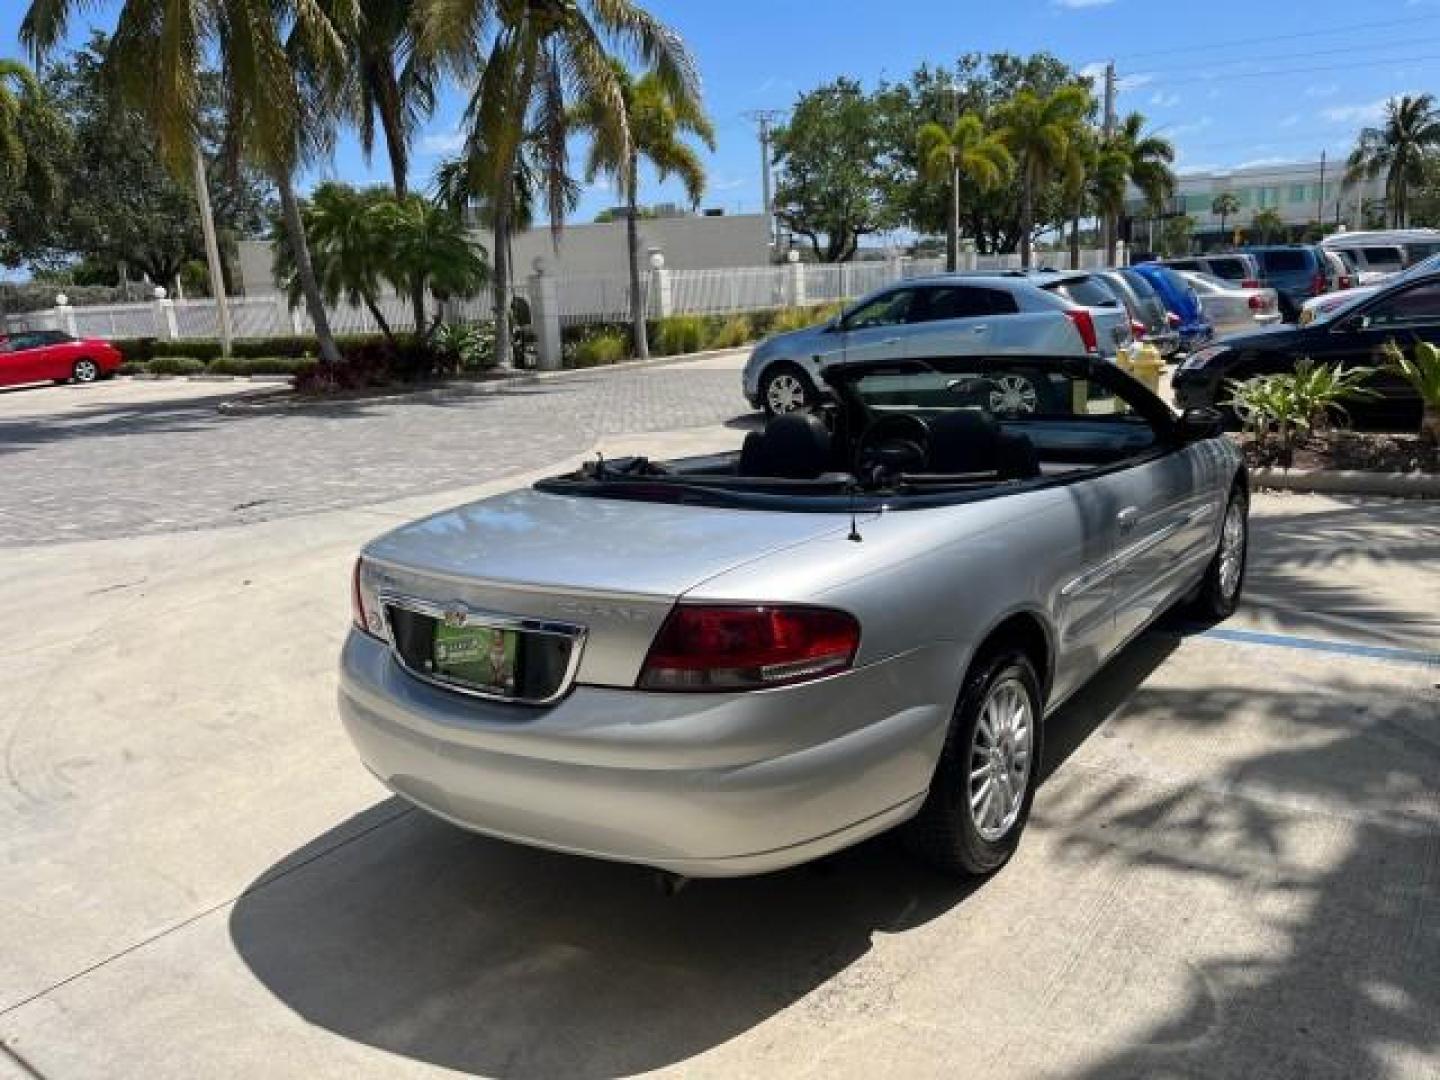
[[579, 299]]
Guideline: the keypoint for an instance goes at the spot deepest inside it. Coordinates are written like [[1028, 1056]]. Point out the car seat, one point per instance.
[[966, 441], [793, 446]]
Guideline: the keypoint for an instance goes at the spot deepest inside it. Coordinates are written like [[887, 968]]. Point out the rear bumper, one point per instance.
[[706, 785]]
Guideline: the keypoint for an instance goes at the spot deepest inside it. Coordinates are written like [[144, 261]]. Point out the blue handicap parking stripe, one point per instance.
[[1345, 648]]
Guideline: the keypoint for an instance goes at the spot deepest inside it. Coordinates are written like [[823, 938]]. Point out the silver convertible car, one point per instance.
[[858, 620]]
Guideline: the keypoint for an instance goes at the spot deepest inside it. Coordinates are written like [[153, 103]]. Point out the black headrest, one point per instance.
[[794, 446], [970, 441]]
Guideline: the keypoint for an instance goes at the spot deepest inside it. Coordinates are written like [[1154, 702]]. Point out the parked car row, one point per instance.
[[1011, 313]]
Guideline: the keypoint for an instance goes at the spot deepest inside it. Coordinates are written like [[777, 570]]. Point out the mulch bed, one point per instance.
[[1350, 450]]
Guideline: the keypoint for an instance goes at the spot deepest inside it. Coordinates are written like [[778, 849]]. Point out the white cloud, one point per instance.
[[1133, 82], [442, 142], [1371, 112], [1162, 100], [1093, 70]]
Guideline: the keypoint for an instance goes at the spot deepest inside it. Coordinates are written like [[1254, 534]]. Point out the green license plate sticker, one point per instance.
[[479, 656]]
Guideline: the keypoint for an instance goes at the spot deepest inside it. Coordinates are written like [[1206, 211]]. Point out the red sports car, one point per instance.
[[52, 356]]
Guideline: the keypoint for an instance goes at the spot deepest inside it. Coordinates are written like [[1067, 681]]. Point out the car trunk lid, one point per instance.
[[603, 571]]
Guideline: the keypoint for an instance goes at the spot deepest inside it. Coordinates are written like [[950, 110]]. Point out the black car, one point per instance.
[[1405, 312], [1296, 272]]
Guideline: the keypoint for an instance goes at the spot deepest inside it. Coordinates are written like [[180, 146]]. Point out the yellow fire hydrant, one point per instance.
[[1142, 361]]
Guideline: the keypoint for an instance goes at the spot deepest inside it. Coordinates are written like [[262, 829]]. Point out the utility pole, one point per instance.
[[766, 117], [1320, 202], [1111, 224], [212, 252]]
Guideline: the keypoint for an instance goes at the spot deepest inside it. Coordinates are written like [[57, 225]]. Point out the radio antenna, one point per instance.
[[854, 536]]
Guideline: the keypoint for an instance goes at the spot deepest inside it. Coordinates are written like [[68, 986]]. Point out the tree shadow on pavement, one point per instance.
[[1328, 845], [401, 932]]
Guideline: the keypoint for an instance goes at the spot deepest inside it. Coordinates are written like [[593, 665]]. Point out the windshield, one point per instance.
[[1424, 266], [1209, 283]]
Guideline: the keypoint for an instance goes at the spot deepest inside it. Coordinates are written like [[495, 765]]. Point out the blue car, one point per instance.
[[1182, 302]]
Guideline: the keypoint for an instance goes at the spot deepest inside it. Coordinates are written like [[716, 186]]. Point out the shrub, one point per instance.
[[798, 318], [1422, 370], [175, 365], [734, 331], [362, 369], [603, 345], [1321, 390], [679, 334], [466, 348], [260, 365], [135, 350]]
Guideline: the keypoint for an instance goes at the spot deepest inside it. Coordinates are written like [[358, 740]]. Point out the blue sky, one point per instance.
[[1232, 82]]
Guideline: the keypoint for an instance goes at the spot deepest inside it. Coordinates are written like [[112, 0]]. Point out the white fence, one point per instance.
[[577, 300]]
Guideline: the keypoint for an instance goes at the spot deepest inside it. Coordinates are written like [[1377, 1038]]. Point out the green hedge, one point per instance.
[[292, 346]]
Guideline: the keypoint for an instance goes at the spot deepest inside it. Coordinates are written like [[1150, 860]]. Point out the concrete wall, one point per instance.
[[689, 243]]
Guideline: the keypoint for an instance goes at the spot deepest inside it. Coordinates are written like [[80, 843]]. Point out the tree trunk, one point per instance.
[[641, 338], [952, 232], [1027, 211], [504, 350], [1075, 239], [379, 317], [1112, 237], [399, 152], [1430, 425], [305, 269]]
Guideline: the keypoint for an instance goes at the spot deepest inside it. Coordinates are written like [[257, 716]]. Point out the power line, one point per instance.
[[1326, 69], [1346, 50], [1295, 36]]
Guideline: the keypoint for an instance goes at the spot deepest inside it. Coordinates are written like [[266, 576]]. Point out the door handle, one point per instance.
[[980, 329], [1128, 518], [891, 341]]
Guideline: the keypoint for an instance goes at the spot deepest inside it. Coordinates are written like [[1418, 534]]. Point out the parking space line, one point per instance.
[[1345, 648]]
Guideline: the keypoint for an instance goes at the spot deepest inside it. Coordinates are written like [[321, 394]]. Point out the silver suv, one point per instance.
[[1044, 313]]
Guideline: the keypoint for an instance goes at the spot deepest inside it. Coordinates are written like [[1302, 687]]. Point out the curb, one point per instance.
[[443, 391], [1348, 482]]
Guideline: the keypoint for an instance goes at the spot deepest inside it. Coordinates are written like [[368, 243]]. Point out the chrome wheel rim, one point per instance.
[[1000, 754], [85, 371], [1232, 549], [1013, 394], [785, 393]]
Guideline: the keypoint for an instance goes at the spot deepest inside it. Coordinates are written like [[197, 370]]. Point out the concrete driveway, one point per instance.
[[1233, 868]]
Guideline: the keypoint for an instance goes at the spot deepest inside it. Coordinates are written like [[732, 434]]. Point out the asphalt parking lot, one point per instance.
[[1233, 868]]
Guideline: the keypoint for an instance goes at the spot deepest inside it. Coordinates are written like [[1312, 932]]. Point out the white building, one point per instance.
[[1298, 192]]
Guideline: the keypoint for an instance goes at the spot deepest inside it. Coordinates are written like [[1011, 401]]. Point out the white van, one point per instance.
[[1374, 250]]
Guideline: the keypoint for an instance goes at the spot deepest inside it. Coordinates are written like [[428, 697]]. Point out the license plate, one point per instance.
[[479, 656]]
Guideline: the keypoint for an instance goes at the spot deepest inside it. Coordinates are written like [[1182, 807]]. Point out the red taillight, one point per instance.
[[357, 603], [748, 647], [1259, 303], [1250, 283], [1137, 328], [1317, 285], [1345, 282], [1172, 319], [1085, 323]]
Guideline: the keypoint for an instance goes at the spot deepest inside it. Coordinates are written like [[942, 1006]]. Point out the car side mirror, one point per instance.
[[1198, 424]]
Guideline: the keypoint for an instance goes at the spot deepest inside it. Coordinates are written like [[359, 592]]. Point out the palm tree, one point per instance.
[[429, 245], [1399, 148], [26, 114], [395, 90], [284, 72], [541, 54], [19, 90], [1147, 160], [1038, 129], [1267, 223], [658, 121], [1224, 205], [348, 246], [963, 151]]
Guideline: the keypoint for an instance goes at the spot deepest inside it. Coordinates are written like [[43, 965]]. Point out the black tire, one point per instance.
[[85, 371], [1218, 594], [944, 833], [785, 388]]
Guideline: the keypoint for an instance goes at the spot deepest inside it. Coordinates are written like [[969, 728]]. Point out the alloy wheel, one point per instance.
[[1013, 394], [1232, 549], [86, 371], [784, 393], [1000, 759]]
